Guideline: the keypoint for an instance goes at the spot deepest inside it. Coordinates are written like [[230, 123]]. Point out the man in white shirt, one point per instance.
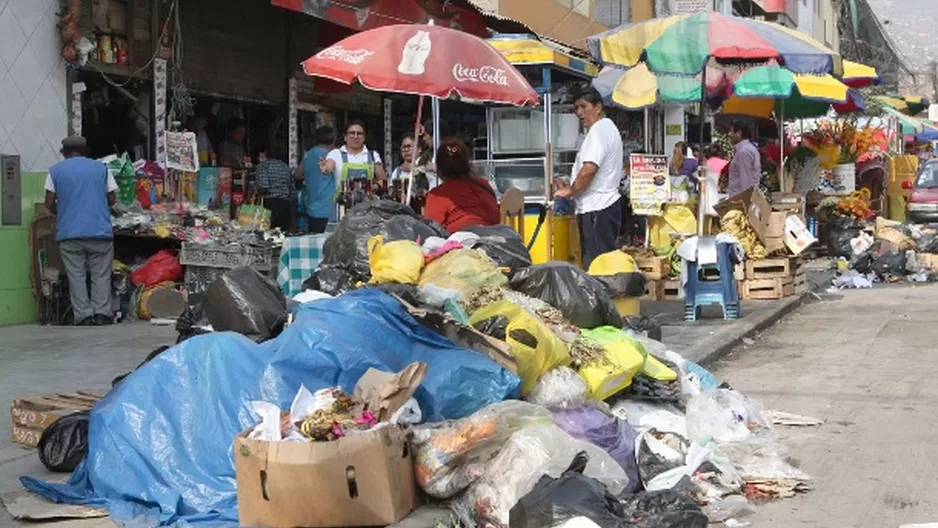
[[595, 180]]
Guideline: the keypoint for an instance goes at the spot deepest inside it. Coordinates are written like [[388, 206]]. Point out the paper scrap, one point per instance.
[[383, 393]]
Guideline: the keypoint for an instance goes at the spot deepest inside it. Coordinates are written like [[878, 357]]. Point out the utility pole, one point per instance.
[[934, 80]]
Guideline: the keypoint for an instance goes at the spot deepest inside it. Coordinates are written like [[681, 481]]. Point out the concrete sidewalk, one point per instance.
[[710, 336]]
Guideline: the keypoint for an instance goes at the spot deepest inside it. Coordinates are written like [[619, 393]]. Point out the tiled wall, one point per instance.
[[32, 124]]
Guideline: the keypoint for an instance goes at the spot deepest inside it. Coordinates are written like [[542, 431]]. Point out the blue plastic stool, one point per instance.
[[712, 284]]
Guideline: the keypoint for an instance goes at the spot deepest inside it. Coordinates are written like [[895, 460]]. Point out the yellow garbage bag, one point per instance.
[[621, 264], [676, 218], [463, 270], [536, 349], [397, 262], [625, 357]]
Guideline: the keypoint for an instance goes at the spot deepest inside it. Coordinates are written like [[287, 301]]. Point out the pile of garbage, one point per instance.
[[882, 250], [506, 393]]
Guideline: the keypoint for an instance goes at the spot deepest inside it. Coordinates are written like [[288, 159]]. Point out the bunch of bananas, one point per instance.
[[735, 223]]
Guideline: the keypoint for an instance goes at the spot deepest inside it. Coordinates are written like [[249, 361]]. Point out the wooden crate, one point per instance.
[[773, 268], [31, 416], [672, 289], [772, 289], [654, 268], [654, 290]]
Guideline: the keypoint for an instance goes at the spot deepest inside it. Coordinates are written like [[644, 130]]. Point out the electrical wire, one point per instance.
[[132, 76]]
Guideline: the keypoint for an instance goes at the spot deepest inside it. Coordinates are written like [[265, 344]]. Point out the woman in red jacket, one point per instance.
[[462, 200]]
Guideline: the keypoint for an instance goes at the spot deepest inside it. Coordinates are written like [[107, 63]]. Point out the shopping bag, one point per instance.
[[254, 216]]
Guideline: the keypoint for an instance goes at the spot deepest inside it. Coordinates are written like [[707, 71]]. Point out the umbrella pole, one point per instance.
[[701, 183], [413, 151], [781, 148], [435, 108]]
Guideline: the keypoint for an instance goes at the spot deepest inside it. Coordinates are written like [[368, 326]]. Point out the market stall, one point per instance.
[[527, 148]]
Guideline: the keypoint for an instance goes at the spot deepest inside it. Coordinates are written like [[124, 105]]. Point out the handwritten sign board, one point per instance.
[[649, 184]]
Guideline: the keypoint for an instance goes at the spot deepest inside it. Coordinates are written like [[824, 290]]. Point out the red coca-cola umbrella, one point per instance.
[[424, 60]]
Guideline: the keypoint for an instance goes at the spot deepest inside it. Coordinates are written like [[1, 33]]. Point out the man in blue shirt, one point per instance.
[[80, 191], [320, 187]]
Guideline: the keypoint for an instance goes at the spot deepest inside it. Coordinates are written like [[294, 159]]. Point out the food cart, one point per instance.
[[526, 147]]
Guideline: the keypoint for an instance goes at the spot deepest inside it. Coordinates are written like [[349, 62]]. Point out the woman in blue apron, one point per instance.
[[351, 165]]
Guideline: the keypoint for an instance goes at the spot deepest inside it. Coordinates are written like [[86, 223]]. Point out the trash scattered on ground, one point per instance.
[[792, 420]]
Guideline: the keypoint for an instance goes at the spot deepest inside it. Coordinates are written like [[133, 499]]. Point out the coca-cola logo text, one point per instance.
[[341, 54], [485, 75]]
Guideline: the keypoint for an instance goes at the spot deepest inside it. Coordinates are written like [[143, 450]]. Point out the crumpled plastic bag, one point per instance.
[[840, 232], [464, 271], [449, 456], [397, 262], [347, 248], [243, 301], [658, 452], [503, 245], [528, 455], [711, 475], [662, 509], [64, 444], [162, 267], [535, 347], [556, 500], [559, 388], [616, 437], [645, 415], [580, 297], [724, 415]]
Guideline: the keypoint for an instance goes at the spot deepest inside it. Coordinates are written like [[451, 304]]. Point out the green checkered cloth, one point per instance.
[[299, 258]]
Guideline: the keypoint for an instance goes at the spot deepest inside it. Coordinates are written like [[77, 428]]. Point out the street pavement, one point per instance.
[[858, 360], [864, 363]]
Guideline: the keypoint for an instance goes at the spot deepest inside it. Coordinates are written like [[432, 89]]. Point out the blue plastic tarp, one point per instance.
[[160, 443]]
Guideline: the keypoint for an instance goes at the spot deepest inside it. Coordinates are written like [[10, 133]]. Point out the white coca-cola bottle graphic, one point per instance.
[[416, 52]]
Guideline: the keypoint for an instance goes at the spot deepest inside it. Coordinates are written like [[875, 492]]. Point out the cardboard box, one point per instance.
[[361, 480], [797, 236], [753, 203], [30, 416]]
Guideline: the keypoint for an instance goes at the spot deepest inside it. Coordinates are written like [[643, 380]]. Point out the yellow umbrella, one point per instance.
[[857, 75]]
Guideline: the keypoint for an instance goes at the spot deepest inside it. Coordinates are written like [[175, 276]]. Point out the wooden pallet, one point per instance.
[[31, 416], [654, 268], [772, 289], [773, 268], [654, 290], [672, 290]]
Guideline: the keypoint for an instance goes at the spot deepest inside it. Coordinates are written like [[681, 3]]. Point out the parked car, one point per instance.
[[922, 205]]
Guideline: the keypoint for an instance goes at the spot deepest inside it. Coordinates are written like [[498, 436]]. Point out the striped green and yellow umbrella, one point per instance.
[[910, 105], [766, 89], [683, 44]]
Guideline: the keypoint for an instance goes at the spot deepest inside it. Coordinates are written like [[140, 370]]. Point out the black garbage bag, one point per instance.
[[347, 248], [892, 263], [503, 245], [243, 301], [862, 263], [661, 509], [650, 463], [623, 284], [333, 280], [496, 326], [187, 326], [406, 292], [149, 358], [642, 324], [64, 444], [840, 231], [554, 501], [927, 243], [579, 296]]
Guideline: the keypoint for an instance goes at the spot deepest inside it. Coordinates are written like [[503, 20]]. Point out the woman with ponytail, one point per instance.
[[462, 200]]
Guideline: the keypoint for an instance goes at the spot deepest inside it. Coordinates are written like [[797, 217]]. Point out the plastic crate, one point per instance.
[[229, 257]]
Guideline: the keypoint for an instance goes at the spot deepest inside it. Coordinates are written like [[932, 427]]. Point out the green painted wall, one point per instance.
[[17, 305]]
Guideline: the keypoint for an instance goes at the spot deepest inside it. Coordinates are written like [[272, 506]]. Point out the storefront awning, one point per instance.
[[525, 50], [360, 15]]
